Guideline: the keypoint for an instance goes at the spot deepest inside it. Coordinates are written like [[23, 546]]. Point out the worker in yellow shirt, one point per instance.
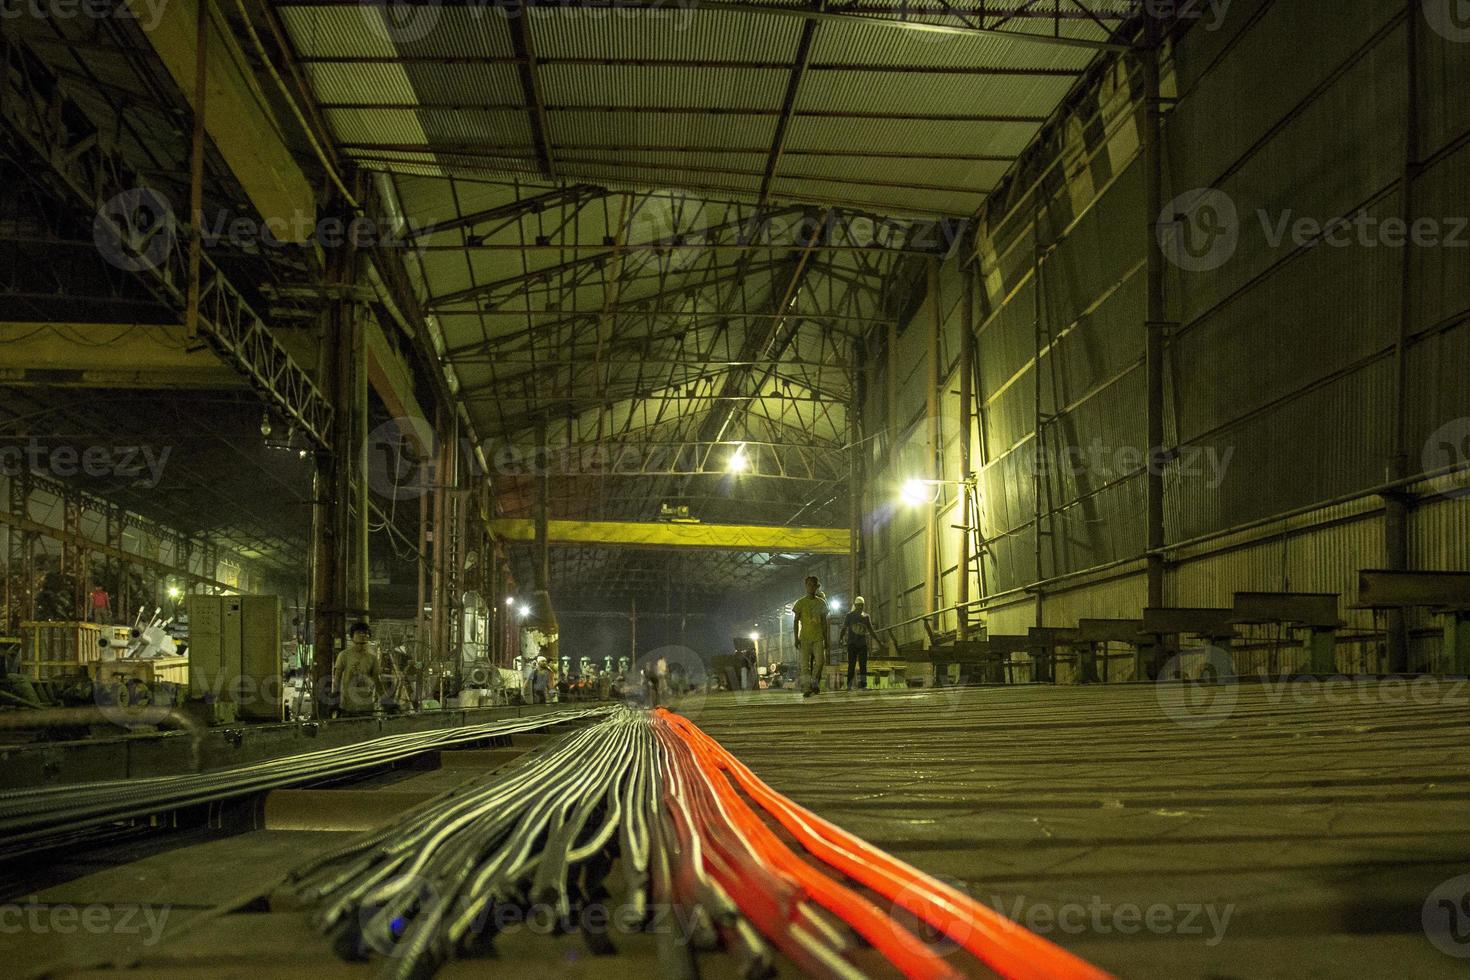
[[810, 634]]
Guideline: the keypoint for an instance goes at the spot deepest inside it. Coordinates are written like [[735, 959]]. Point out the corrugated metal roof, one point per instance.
[[876, 45], [386, 30], [619, 33], [887, 136], [717, 157]]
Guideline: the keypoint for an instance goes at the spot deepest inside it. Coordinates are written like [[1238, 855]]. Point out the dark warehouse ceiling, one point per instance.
[[660, 231]]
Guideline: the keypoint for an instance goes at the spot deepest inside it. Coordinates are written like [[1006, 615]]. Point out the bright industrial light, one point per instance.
[[265, 423], [174, 591], [524, 611], [739, 462], [510, 600], [755, 636], [916, 492], [834, 605]]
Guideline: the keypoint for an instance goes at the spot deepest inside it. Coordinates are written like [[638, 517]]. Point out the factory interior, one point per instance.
[[734, 488]]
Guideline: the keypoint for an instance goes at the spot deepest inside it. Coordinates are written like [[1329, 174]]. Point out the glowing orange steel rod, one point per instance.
[[1006, 947]]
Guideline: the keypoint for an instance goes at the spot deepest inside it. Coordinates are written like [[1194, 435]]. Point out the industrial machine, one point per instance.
[[235, 656]]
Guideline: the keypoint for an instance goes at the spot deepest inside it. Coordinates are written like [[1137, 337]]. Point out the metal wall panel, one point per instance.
[[1280, 383]]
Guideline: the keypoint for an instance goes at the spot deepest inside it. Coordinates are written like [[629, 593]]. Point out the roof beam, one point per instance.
[[905, 20], [238, 125], [699, 64], [505, 160], [574, 194], [520, 38], [776, 150], [788, 102], [747, 224]]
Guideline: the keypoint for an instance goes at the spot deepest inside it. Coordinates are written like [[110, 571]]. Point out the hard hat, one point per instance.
[[859, 601]]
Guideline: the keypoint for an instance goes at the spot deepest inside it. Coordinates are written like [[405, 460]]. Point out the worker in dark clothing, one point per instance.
[[858, 631]]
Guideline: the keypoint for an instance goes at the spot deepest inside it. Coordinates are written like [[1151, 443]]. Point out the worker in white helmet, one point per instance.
[[859, 632], [810, 634]]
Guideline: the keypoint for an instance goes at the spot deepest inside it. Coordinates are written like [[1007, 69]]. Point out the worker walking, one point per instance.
[[858, 630], [810, 634], [355, 674]]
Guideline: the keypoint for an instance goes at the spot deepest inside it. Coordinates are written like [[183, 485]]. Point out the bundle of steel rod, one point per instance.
[[435, 884], [30, 818], [648, 801]]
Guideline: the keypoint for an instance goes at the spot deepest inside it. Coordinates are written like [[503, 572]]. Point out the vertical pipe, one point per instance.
[[1398, 502], [1156, 327], [855, 471], [362, 573], [420, 639], [465, 501], [967, 412], [1039, 461], [453, 530], [633, 631], [543, 544], [931, 443], [495, 603], [196, 168], [436, 509], [895, 434]]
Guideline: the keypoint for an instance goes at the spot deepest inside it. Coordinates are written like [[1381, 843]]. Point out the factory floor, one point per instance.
[[1266, 831]]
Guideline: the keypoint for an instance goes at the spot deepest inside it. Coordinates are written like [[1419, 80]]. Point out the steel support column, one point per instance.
[[1398, 504], [895, 433], [931, 442], [20, 576], [1156, 327], [856, 458], [338, 592], [966, 433]]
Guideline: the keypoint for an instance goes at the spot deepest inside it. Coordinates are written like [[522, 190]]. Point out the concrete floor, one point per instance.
[[1290, 832], [1313, 823]]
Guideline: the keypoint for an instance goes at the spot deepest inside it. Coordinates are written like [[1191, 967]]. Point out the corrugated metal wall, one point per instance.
[[1280, 377]]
